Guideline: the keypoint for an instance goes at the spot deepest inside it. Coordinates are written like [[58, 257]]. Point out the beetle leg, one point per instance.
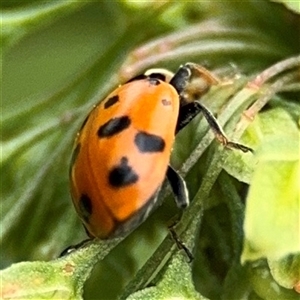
[[191, 110], [180, 244], [186, 114], [178, 187]]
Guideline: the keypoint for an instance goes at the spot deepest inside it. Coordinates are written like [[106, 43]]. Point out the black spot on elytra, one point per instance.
[[122, 174], [111, 101], [154, 81], [113, 126], [85, 207], [147, 142], [166, 102]]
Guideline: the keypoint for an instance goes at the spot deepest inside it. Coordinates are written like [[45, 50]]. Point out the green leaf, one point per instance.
[[272, 211], [290, 4], [286, 271], [38, 280], [176, 283], [62, 278], [265, 286]]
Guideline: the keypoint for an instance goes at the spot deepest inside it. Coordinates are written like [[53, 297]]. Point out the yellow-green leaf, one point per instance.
[[286, 271], [273, 208]]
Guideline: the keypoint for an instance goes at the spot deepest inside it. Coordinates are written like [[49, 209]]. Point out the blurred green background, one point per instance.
[[60, 58]]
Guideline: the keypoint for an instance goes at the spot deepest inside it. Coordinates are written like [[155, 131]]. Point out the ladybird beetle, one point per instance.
[[122, 151]]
